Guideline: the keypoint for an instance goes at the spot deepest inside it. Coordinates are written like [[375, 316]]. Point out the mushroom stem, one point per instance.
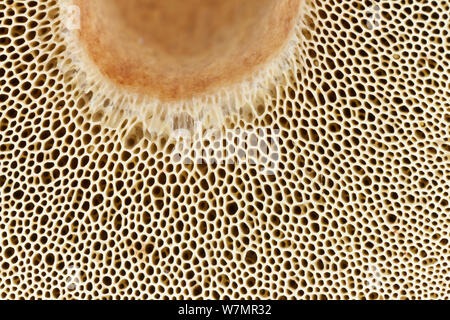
[[178, 49]]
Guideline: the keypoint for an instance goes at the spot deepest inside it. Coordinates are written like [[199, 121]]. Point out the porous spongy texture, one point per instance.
[[356, 207]]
